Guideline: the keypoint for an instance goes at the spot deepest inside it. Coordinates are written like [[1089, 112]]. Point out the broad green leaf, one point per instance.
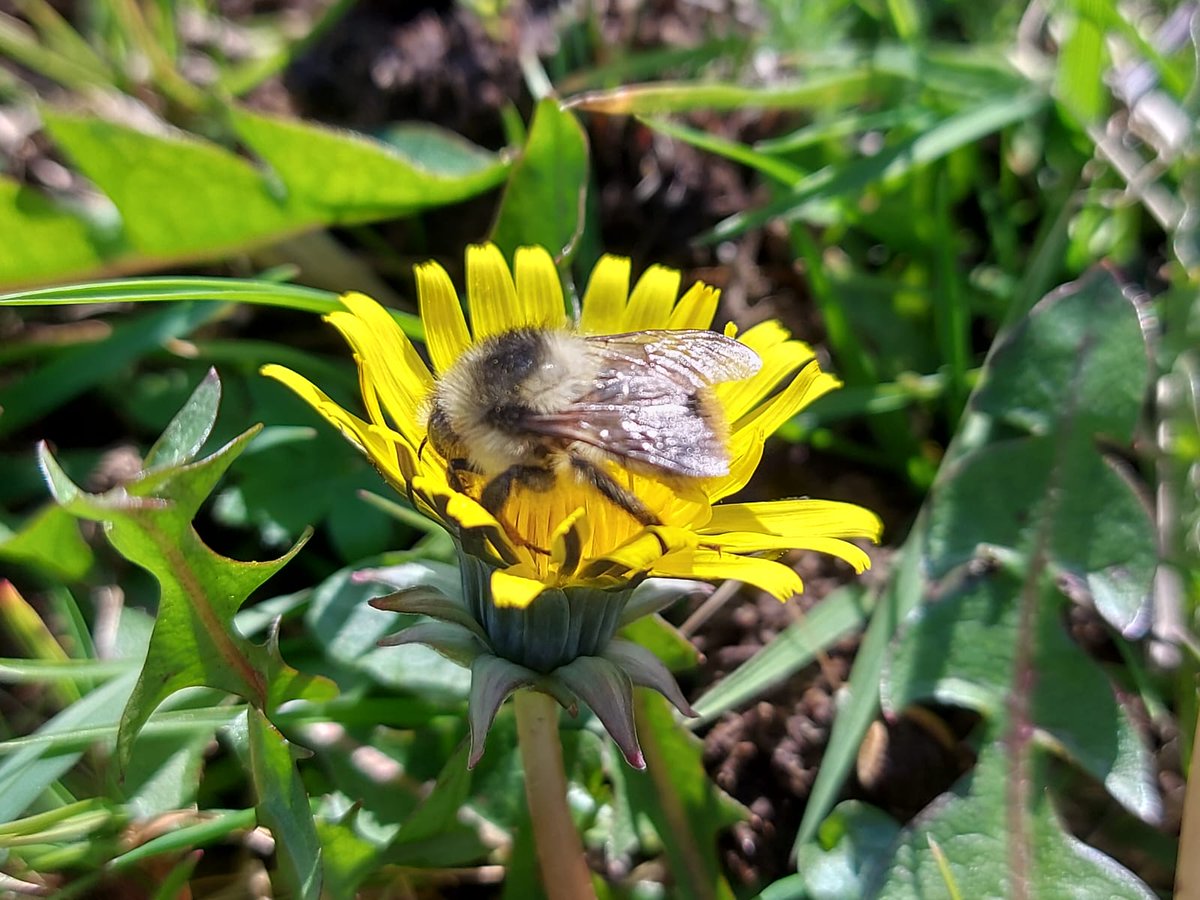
[[989, 856], [1043, 500], [543, 203], [847, 849], [438, 812], [194, 643], [348, 858], [1059, 494], [437, 151], [283, 808], [788, 652], [179, 197], [50, 541], [345, 177], [348, 630], [1073, 372], [986, 650], [164, 773], [687, 810], [1079, 353], [43, 239], [80, 368]]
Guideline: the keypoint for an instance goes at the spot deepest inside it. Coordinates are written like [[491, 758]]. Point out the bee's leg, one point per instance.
[[495, 493], [454, 470], [603, 482]]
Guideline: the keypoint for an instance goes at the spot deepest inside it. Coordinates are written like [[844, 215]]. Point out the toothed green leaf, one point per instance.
[[187, 432], [283, 808], [194, 643]]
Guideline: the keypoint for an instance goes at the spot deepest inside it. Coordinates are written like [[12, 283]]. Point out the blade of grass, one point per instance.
[[228, 290], [26, 671], [826, 90], [79, 369], [650, 63], [932, 144], [845, 124], [790, 651], [20, 44], [58, 36], [216, 828], [778, 169], [861, 700]]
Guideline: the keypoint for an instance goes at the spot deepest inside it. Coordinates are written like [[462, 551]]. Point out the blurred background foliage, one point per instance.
[[899, 182]]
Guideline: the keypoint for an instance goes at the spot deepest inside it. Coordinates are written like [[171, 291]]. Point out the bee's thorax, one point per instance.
[[485, 399]]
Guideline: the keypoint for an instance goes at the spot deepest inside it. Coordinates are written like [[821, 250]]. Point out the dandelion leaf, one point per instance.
[[148, 520]]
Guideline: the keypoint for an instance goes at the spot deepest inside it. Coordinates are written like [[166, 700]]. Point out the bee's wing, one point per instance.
[[649, 403], [690, 358]]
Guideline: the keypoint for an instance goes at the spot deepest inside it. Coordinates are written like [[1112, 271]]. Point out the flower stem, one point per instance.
[[565, 875]]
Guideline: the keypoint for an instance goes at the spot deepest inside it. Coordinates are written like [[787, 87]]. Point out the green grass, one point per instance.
[[927, 173]]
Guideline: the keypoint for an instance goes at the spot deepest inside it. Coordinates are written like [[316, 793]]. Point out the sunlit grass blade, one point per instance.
[[934, 143], [770, 166], [861, 695], [18, 43], [822, 91], [648, 63], [848, 123], [228, 290], [789, 652], [34, 671], [58, 35]]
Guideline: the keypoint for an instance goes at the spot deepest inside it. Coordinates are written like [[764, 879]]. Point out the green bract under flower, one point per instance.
[[563, 645]]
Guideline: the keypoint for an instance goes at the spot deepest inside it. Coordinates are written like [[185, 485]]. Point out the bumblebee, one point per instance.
[[533, 405]]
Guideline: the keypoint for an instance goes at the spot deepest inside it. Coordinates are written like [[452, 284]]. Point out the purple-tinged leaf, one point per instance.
[[428, 601], [456, 643], [608, 692], [645, 669]]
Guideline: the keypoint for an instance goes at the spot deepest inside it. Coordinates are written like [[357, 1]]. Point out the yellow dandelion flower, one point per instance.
[[562, 531]]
